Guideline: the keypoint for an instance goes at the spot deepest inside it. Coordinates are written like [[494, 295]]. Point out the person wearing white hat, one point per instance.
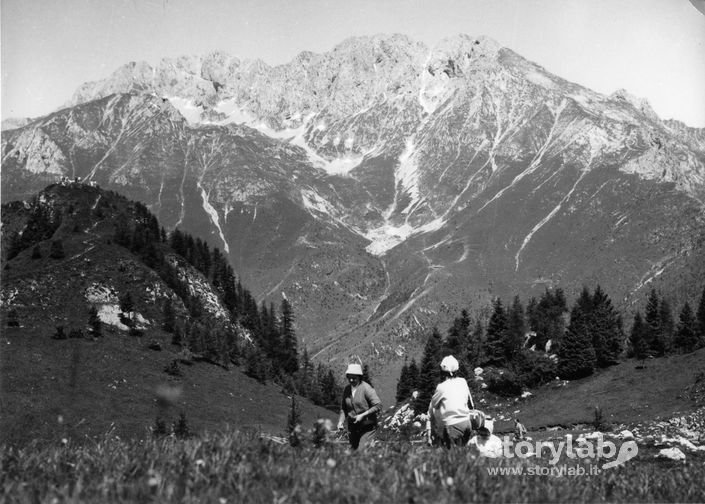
[[359, 407], [485, 443], [449, 410]]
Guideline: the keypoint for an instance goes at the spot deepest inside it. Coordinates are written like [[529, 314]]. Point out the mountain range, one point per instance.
[[385, 185]]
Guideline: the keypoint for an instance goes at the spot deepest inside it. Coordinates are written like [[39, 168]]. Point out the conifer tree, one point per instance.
[[294, 417], [330, 392], [607, 332], [513, 339], [290, 359], [169, 322], [15, 246], [456, 343], [654, 335], [476, 340], [547, 318], [430, 372], [639, 347], [686, 339], [413, 375], [13, 319], [403, 385], [667, 325], [494, 345], [576, 355]]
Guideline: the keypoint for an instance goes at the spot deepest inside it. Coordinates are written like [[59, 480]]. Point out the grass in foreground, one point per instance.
[[234, 467]]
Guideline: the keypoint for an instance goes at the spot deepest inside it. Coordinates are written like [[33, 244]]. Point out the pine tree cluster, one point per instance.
[[271, 353], [533, 346]]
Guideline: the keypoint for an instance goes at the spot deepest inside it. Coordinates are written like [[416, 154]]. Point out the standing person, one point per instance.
[[359, 407], [519, 430], [449, 410]]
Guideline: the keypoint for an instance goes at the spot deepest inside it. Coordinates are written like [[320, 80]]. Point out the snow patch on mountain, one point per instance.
[[187, 108], [539, 79], [387, 237], [213, 214], [406, 177]]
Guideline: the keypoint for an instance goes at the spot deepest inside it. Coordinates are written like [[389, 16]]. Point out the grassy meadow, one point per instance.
[[232, 467]]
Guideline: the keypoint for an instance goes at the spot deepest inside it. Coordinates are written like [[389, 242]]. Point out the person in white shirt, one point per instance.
[[486, 444], [449, 410]]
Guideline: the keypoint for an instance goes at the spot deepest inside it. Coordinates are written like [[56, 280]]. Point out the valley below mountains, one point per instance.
[[384, 186]]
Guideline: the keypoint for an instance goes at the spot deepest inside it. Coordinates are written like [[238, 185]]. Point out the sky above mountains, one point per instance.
[[652, 48]]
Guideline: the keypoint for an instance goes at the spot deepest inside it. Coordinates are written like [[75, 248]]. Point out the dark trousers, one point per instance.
[[457, 434], [361, 435]]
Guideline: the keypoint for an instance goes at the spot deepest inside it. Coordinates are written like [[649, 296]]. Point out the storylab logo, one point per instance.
[[554, 451]]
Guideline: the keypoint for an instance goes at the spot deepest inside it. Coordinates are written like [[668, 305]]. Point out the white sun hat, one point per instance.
[[449, 364], [354, 369]]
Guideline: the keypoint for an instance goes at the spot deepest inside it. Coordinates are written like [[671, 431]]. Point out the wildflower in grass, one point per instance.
[[449, 481], [331, 463]]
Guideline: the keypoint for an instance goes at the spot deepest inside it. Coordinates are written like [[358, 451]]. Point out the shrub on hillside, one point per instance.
[[59, 334], [502, 382], [12, 318], [57, 250], [536, 368], [173, 368], [75, 333]]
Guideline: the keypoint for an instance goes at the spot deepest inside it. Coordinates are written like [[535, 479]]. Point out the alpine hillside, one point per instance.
[[107, 326], [385, 185]]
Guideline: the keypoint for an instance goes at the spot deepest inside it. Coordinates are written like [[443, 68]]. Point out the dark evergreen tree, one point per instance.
[[413, 375], [169, 316], [290, 358], [13, 320], [15, 245], [606, 327], [654, 335], [403, 386], [430, 372], [494, 345], [458, 337], [127, 305], [305, 375], [667, 325], [638, 346], [686, 338], [294, 417], [513, 340], [330, 391], [475, 344], [576, 355], [547, 319]]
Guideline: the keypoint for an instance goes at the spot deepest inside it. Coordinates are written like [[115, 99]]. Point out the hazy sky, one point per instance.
[[653, 48]]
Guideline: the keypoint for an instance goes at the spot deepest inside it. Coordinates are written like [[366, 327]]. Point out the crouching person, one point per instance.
[[485, 443], [359, 408], [449, 410]]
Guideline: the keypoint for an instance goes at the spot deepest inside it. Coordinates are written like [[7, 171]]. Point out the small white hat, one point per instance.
[[354, 369], [449, 364]]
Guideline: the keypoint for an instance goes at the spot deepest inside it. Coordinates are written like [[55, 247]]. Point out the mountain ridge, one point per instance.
[[383, 184]]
